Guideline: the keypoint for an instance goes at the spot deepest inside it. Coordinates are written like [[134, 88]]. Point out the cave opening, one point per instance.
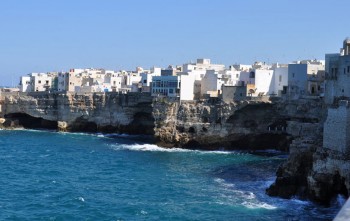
[[191, 130], [29, 122], [339, 185]]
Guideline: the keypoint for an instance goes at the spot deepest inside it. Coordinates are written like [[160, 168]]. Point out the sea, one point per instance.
[[47, 175]]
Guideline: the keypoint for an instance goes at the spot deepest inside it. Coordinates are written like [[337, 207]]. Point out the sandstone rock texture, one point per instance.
[[91, 112]]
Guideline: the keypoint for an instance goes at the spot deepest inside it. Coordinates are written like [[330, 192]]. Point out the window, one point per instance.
[[293, 75], [39, 82], [280, 78], [114, 83], [236, 75], [348, 69], [252, 74], [47, 82], [144, 81]]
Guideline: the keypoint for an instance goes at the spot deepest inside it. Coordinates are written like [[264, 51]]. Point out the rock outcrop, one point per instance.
[[91, 112], [247, 124], [314, 170]]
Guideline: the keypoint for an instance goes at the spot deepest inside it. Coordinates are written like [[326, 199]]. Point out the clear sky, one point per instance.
[[55, 35]]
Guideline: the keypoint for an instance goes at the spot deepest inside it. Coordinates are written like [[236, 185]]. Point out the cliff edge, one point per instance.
[[88, 112]]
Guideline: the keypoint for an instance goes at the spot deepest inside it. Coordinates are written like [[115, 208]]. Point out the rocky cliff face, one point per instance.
[[248, 124], [312, 170], [91, 112]]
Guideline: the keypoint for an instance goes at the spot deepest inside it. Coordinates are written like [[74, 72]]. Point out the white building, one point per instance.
[[25, 84], [173, 86], [213, 81], [146, 78], [131, 78], [264, 82], [280, 81], [202, 64], [300, 75], [112, 81], [241, 67], [41, 81], [338, 74]]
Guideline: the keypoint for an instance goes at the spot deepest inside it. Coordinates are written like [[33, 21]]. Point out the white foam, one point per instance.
[[258, 205], [301, 202], [81, 199], [155, 148], [143, 212], [223, 183], [245, 198], [148, 147]]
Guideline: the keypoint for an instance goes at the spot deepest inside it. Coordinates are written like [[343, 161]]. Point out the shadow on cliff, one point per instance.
[[24, 120], [142, 124]]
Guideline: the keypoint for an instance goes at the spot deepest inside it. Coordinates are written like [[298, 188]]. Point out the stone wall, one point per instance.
[[336, 135]]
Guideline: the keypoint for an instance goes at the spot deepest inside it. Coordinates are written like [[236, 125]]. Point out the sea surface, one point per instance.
[[64, 176]]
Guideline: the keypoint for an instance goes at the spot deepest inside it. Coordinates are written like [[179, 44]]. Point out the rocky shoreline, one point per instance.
[[310, 172]]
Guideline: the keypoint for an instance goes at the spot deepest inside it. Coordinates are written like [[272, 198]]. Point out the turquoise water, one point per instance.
[[61, 176]]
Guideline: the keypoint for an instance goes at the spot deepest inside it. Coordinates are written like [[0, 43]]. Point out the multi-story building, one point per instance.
[[302, 77], [337, 74], [146, 79], [62, 80], [166, 86], [173, 86], [41, 81]]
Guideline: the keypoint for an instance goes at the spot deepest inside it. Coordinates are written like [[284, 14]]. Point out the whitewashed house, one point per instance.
[[281, 81], [25, 84], [41, 81]]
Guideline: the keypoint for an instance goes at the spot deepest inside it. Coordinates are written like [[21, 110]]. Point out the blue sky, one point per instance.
[[55, 35]]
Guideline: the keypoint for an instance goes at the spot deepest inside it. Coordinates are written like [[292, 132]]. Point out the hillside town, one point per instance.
[[202, 79]]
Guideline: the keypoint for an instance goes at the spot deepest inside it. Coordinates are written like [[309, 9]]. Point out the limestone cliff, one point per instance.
[[90, 112], [247, 124], [317, 169]]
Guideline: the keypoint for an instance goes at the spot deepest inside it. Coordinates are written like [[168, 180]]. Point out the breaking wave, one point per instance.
[[245, 198], [155, 148]]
